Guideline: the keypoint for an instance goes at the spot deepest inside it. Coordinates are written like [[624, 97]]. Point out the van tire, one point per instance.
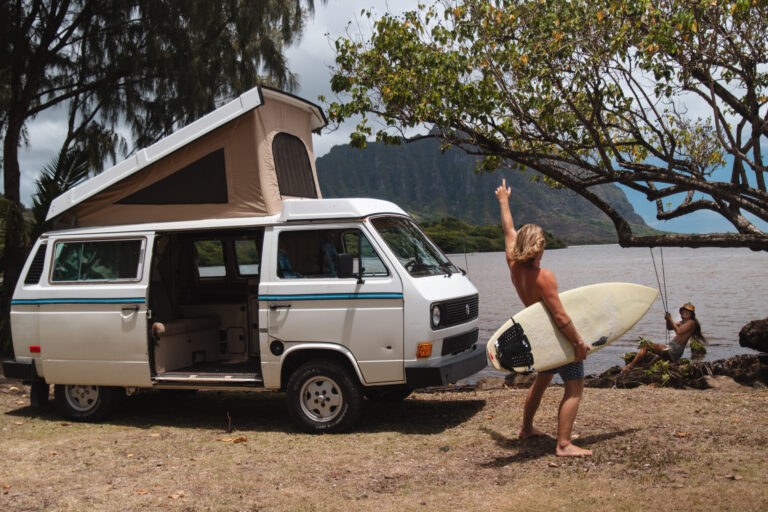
[[86, 403], [323, 396]]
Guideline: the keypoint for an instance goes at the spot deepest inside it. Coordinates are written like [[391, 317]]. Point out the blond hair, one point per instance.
[[528, 243]]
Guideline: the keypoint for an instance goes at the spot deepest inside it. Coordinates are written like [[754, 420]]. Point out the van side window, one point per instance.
[[247, 256], [209, 258], [315, 253], [104, 260], [372, 264]]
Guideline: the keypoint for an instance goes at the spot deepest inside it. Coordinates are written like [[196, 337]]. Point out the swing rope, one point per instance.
[[664, 296]]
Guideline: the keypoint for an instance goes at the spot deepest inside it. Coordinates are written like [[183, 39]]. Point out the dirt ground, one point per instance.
[[654, 449]]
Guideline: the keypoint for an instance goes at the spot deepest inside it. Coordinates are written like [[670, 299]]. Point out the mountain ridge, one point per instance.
[[432, 184]]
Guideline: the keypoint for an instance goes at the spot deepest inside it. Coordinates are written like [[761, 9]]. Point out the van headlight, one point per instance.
[[435, 316]]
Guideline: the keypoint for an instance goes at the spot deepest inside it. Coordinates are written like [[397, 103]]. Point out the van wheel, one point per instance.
[[86, 403], [387, 393], [323, 397]]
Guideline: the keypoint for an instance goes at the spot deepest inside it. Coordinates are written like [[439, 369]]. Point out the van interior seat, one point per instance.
[[183, 325], [180, 341], [169, 321]]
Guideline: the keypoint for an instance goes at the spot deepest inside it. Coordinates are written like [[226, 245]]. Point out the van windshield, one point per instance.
[[415, 251]]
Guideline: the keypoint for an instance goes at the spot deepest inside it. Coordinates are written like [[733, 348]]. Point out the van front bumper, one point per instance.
[[441, 372], [22, 370]]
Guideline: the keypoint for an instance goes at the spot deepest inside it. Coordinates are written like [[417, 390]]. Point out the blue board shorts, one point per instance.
[[568, 371]]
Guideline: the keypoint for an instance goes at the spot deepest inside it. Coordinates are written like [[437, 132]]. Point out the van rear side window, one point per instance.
[[103, 260], [210, 258]]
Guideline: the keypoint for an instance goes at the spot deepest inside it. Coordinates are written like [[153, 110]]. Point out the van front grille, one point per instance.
[[459, 311]]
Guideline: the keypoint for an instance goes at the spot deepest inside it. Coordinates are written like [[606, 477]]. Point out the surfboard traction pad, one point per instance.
[[513, 350]]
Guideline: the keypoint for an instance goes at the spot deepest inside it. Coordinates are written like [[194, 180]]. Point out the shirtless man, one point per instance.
[[684, 329], [524, 249]]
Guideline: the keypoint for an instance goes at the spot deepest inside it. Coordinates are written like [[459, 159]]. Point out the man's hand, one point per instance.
[[503, 192], [581, 349]]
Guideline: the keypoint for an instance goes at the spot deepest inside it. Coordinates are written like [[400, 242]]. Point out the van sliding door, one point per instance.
[[93, 311]]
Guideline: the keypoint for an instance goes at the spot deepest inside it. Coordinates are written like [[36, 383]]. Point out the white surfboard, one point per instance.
[[530, 340]]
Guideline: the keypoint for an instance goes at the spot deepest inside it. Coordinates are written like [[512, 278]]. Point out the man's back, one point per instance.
[[531, 281]]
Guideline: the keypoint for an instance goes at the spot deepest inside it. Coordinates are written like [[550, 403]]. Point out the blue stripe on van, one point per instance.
[[333, 296], [127, 300]]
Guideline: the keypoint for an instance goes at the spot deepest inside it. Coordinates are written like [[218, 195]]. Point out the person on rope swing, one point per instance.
[[686, 329]]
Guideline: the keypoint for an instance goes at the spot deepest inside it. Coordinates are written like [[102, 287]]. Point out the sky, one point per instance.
[[311, 59]]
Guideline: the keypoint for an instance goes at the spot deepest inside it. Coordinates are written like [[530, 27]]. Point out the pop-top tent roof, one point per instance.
[[241, 160]]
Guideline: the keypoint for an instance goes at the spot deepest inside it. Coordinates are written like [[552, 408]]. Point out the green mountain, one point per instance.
[[431, 184]]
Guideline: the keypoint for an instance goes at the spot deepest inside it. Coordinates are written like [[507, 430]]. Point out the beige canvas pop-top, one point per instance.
[[240, 160]]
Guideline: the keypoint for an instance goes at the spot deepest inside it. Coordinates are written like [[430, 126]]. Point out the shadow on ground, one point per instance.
[[537, 447], [267, 412]]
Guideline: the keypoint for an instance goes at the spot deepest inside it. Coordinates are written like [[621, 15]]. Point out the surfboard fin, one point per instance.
[[513, 350]]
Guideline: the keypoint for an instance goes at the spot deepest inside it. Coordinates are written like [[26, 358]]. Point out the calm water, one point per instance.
[[727, 286]]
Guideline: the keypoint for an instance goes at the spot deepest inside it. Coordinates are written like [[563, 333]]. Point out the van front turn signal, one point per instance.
[[424, 350]]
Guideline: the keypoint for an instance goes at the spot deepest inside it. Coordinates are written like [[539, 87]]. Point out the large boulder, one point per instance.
[[754, 335]]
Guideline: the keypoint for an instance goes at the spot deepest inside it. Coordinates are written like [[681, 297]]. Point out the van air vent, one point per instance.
[[36, 268]]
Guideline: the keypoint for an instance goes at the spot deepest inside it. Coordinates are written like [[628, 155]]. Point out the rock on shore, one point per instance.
[[754, 335], [742, 370], [746, 370]]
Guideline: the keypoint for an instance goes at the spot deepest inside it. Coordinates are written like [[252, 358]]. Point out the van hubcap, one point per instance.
[[82, 398], [321, 399]]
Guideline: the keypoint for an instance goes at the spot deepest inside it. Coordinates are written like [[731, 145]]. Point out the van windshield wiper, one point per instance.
[[448, 268]]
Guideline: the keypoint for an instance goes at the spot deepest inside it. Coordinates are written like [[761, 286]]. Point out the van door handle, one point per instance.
[[273, 307], [127, 311]]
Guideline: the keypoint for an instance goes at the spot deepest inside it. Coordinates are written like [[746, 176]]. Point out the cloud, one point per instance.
[[310, 60], [314, 56]]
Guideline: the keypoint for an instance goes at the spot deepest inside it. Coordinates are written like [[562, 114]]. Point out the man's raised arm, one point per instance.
[[507, 223]]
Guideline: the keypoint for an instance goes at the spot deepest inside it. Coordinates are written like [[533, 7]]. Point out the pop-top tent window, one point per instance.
[[294, 171], [201, 182]]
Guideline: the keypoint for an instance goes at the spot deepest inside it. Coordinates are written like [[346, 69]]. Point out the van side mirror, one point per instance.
[[346, 265]]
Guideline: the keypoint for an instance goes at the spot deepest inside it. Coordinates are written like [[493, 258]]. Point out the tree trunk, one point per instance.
[[15, 250]]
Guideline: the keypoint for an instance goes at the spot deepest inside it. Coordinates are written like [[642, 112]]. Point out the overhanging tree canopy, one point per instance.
[[586, 92]]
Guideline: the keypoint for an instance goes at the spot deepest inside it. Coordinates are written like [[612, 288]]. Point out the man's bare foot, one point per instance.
[[571, 450], [533, 432], [626, 368]]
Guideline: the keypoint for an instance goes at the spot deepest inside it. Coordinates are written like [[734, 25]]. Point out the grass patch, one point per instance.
[[659, 449]]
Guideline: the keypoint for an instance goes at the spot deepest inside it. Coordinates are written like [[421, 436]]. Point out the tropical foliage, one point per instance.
[[654, 95]]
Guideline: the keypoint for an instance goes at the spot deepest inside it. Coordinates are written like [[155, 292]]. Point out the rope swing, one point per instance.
[[664, 296]]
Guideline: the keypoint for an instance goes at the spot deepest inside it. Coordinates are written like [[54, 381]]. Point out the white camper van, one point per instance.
[[209, 261]]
